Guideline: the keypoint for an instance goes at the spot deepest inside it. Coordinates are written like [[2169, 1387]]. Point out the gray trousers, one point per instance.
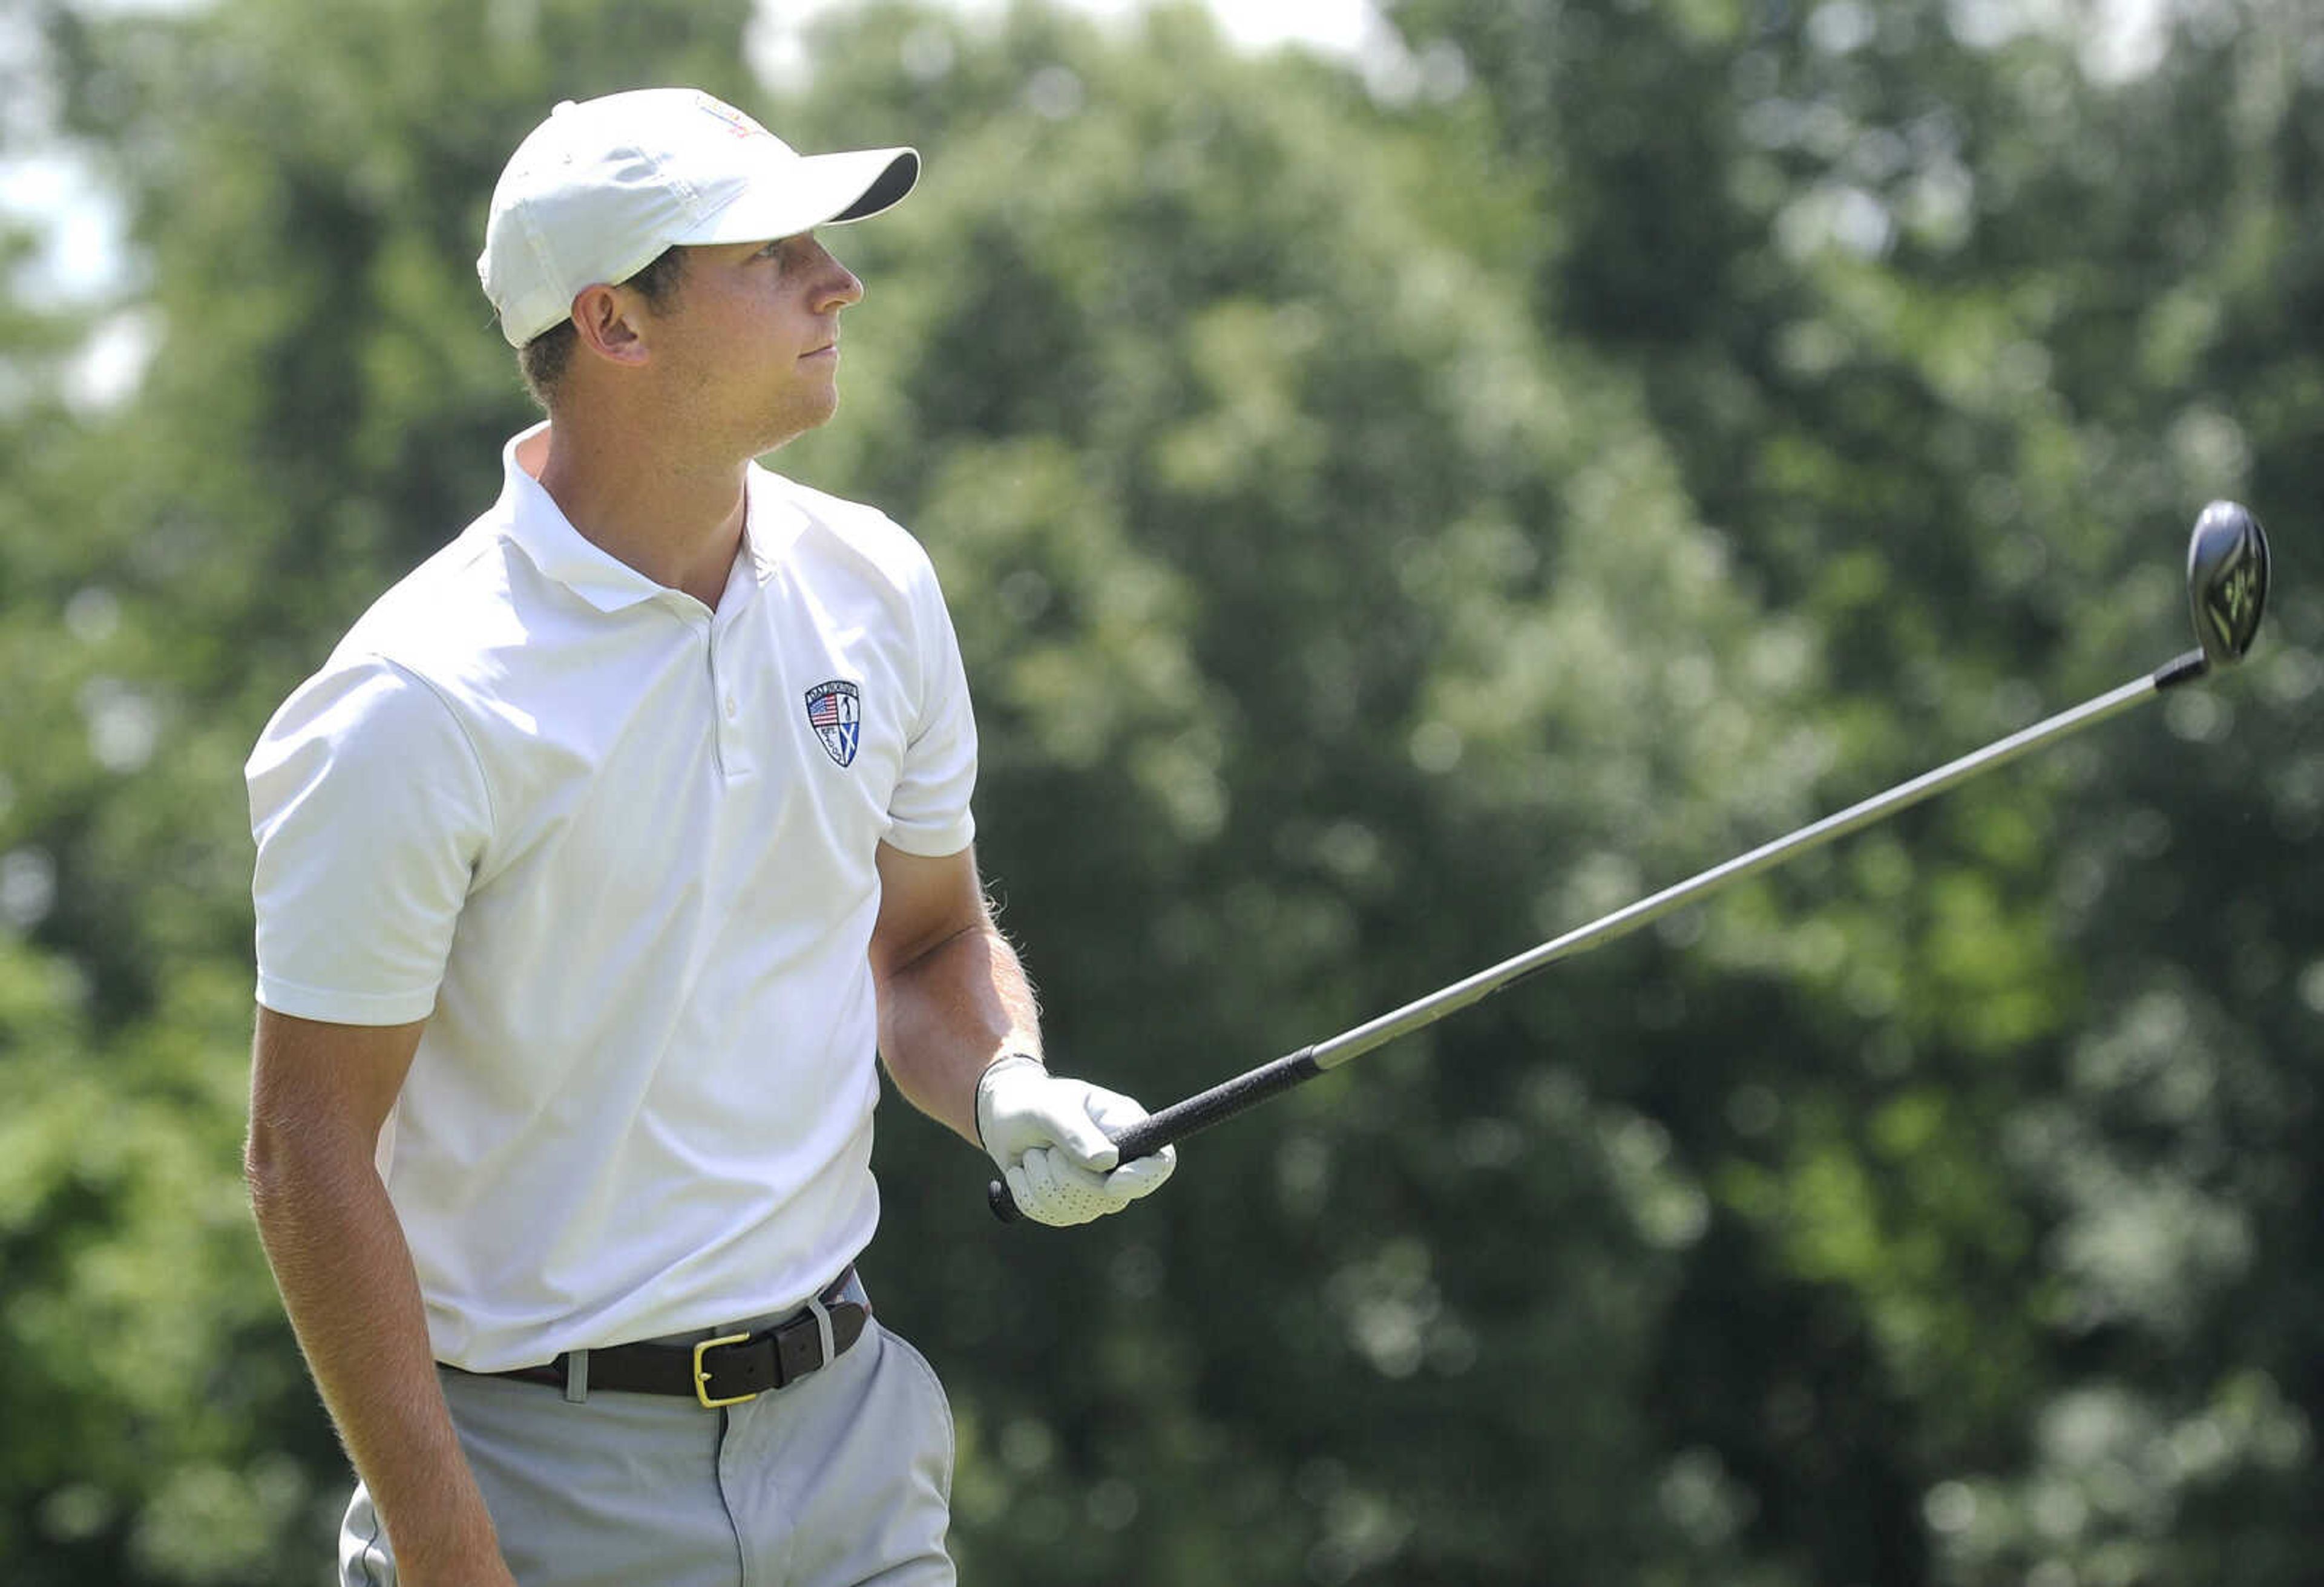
[[842, 1479]]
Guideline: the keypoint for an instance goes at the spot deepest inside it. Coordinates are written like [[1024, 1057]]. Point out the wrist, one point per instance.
[[1006, 1063], [450, 1542]]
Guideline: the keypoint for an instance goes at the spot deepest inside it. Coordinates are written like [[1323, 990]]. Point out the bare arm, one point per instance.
[[320, 1094], [952, 997]]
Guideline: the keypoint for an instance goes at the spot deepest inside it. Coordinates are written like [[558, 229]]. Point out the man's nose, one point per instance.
[[838, 287]]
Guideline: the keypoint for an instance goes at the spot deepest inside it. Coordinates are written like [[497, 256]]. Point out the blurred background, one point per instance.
[[1402, 495]]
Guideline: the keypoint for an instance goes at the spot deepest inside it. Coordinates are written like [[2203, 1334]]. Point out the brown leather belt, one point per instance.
[[729, 1368]]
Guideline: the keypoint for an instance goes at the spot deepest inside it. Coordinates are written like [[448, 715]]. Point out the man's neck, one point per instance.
[[677, 521]]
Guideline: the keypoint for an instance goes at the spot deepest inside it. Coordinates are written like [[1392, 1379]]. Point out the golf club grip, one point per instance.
[[1182, 1119]]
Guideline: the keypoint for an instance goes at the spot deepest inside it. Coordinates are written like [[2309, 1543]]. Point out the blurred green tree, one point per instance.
[[1976, 311]]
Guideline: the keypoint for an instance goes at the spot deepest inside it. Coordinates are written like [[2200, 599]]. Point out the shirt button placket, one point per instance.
[[726, 706]]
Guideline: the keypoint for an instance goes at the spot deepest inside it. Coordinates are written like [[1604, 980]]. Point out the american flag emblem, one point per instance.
[[836, 711]]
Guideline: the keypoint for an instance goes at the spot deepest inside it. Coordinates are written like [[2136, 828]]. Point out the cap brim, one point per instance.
[[812, 190]]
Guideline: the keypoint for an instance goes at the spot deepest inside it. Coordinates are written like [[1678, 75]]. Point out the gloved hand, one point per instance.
[[1048, 1136]]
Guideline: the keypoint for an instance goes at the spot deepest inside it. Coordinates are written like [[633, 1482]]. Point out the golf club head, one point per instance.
[[2226, 580]]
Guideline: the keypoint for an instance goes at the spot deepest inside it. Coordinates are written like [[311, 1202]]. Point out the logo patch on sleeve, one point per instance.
[[836, 711]]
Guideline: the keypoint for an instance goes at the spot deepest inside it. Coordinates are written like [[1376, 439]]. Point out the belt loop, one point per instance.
[[823, 1329], [576, 1377]]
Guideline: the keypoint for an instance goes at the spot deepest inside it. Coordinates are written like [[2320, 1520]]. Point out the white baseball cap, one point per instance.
[[596, 192]]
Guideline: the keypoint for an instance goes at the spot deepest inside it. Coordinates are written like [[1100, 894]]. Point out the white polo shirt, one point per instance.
[[618, 851]]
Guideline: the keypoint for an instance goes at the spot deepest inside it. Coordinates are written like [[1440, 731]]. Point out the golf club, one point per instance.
[[2226, 589]]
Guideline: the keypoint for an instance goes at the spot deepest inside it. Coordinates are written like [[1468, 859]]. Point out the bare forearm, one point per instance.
[[947, 1014], [345, 1271]]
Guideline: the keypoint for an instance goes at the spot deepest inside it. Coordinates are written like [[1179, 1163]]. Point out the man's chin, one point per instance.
[[797, 420]]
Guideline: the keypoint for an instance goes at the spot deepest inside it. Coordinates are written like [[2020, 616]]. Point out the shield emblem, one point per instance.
[[836, 711]]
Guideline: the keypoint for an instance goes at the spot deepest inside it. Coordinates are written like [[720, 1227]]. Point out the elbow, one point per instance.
[[265, 1161], [282, 1157], [893, 963]]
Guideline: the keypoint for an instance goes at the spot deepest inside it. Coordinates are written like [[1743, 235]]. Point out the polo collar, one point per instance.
[[775, 520], [532, 520]]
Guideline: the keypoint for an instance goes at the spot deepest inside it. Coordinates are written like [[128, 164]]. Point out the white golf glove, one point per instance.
[[1049, 1137]]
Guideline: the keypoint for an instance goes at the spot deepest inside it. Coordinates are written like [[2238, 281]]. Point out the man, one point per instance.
[[592, 868]]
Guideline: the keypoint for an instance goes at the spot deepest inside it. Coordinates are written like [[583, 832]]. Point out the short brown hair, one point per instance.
[[543, 360]]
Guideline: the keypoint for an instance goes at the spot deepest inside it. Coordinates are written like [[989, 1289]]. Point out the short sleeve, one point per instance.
[[929, 808], [370, 809]]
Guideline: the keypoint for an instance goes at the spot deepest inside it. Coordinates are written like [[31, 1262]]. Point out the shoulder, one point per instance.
[[824, 528], [461, 604], [496, 642], [363, 712], [402, 685]]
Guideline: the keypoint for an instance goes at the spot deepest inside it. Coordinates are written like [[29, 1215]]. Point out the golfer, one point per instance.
[[596, 868]]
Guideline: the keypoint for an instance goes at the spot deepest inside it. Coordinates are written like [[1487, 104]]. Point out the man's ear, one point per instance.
[[608, 324]]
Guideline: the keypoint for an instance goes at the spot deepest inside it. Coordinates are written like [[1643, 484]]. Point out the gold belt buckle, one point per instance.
[[701, 1375]]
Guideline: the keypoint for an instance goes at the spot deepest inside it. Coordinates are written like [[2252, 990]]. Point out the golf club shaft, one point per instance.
[[1223, 1101]]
